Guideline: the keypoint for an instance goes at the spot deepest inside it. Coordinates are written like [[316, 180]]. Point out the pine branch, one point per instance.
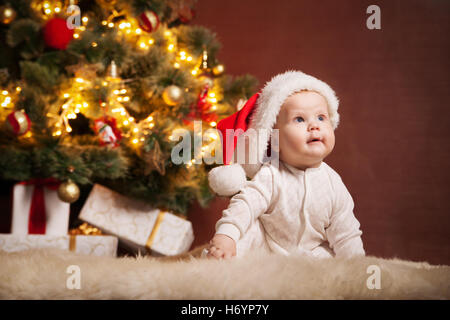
[[40, 76], [32, 100], [242, 87], [25, 35], [196, 39], [15, 164], [157, 6]]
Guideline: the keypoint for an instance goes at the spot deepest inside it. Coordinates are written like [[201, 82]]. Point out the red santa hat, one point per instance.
[[260, 113]]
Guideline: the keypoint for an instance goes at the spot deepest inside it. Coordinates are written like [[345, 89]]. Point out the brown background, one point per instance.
[[392, 148]]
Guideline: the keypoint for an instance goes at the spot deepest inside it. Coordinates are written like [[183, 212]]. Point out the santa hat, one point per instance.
[[260, 113]]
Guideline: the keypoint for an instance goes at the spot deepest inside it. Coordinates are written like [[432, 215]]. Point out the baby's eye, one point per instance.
[[299, 119], [321, 118]]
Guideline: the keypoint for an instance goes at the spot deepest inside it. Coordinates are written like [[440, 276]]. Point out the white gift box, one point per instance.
[[97, 245], [138, 225], [57, 212]]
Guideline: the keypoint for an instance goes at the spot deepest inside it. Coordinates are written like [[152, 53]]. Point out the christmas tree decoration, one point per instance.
[[111, 73], [8, 99], [148, 21], [118, 19], [154, 159], [107, 131], [7, 14], [204, 64], [47, 9], [121, 94], [18, 122], [68, 191], [181, 10], [218, 70], [140, 132], [56, 34], [105, 101], [206, 80], [202, 109], [206, 75], [202, 102], [172, 95]]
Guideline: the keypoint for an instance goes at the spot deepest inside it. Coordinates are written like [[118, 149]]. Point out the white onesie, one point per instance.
[[289, 210]]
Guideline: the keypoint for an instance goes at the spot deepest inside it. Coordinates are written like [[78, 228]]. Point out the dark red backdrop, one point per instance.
[[391, 146]]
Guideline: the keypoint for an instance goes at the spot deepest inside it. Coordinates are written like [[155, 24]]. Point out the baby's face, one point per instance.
[[305, 131]]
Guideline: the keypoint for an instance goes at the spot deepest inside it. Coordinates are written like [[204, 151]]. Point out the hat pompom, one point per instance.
[[227, 180]]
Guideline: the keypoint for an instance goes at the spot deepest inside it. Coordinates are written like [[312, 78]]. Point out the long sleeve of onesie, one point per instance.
[[343, 233], [246, 206]]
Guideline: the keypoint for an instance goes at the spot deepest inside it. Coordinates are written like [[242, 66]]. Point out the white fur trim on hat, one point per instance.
[[227, 180]]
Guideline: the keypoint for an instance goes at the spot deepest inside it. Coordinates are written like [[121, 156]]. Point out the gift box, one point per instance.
[[97, 245], [36, 209], [138, 225]]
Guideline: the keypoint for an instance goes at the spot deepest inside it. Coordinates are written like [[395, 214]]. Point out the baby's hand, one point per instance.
[[222, 246]]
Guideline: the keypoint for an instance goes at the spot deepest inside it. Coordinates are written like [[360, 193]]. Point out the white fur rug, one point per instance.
[[42, 274]]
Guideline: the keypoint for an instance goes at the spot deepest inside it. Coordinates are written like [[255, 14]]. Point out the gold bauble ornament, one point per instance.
[[218, 70], [7, 14], [68, 191], [172, 95]]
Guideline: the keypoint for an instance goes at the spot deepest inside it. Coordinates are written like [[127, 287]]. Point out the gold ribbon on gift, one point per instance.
[[152, 235], [72, 243], [83, 229]]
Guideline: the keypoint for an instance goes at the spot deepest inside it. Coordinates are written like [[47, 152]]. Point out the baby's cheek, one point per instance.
[[286, 143], [331, 140]]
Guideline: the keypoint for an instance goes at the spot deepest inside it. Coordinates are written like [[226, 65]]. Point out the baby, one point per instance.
[[296, 205]]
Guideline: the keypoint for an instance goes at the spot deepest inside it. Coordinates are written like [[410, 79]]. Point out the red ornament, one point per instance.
[[18, 122], [106, 129], [202, 109], [148, 21], [202, 102], [186, 17], [209, 117], [56, 34]]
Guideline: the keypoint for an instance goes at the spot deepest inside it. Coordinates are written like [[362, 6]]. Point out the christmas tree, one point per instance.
[[92, 92]]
